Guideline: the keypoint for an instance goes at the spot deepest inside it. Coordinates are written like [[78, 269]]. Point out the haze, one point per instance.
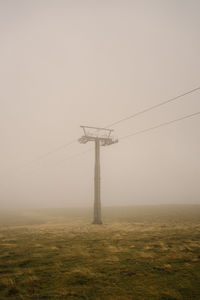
[[71, 63]]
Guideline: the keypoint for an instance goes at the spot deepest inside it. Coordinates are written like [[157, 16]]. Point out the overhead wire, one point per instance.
[[76, 154], [56, 149], [143, 131], [154, 106], [160, 125], [59, 148], [133, 134], [72, 156]]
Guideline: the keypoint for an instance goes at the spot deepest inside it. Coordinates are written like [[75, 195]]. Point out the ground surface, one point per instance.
[[139, 253]]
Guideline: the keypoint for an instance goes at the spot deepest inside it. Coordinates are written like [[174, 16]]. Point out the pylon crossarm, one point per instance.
[[103, 141], [109, 142]]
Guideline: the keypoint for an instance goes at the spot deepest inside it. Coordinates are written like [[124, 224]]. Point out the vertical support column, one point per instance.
[[97, 196]]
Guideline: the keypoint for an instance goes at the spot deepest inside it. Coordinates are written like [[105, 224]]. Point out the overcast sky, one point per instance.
[[66, 63]]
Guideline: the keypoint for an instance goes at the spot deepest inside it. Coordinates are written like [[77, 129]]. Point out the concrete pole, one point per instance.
[[97, 196]]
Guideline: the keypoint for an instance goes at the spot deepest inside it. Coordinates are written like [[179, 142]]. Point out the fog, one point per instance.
[[71, 63]]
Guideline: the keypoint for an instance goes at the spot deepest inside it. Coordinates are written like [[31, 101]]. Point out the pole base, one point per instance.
[[97, 222]]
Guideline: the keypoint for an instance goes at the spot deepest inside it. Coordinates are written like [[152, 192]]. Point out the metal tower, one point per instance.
[[101, 137]]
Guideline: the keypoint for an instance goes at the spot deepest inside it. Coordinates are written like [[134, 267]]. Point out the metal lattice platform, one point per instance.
[[104, 135]]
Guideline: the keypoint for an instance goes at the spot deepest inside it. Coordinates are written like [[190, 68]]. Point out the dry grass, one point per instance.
[[139, 253]]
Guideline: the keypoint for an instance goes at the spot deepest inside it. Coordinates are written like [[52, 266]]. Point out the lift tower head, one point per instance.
[[101, 137]]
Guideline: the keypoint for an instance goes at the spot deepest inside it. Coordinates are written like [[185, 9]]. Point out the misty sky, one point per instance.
[[66, 63]]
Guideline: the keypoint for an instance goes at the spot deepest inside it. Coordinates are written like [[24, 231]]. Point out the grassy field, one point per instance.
[[139, 253]]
